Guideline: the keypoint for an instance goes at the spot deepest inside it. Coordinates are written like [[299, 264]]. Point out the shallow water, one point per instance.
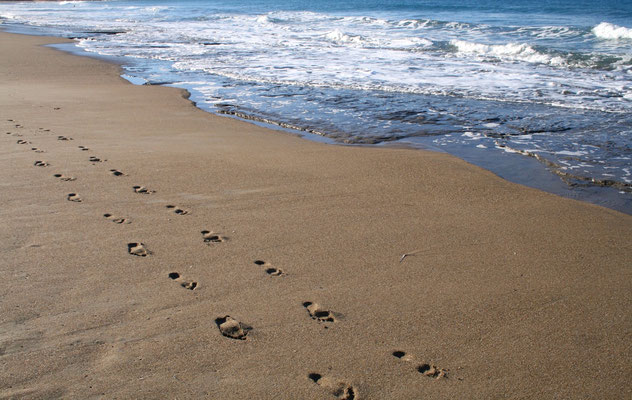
[[516, 81]]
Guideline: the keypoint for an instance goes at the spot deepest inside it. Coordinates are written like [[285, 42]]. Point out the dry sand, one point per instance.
[[509, 292]]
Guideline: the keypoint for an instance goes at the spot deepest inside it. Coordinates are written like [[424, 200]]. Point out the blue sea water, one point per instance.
[[505, 84]]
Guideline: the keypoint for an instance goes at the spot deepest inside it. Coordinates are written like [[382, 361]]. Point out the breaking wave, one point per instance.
[[606, 30]]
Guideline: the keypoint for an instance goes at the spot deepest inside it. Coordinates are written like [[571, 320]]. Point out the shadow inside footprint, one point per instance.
[[341, 390], [137, 249], [142, 190], [399, 354], [177, 210], [94, 159], [35, 149], [116, 172], [210, 237], [63, 138], [64, 178], [41, 164], [23, 142], [83, 148], [316, 312], [230, 327], [269, 269], [74, 197]]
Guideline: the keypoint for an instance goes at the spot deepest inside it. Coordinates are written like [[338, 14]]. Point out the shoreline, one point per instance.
[[523, 167], [506, 291]]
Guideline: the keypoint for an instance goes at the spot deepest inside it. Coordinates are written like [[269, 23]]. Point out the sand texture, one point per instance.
[[151, 250]]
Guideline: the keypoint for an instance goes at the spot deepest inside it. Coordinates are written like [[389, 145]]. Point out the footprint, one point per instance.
[[402, 356], [316, 312], [64, 177], [83, 148], [137, 249], [74, 197], [210, 237], [20, 141], [35, 149], [341, 390], [432, 371], [187, 285], [94, 159], [116, 172], [178, 210], [117, 220], [429, 370], [270, 270], [63, 138], [230, 327], [41, 164], [143, 190]]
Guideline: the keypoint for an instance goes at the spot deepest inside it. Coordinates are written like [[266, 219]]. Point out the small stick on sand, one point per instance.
[[412, 253]]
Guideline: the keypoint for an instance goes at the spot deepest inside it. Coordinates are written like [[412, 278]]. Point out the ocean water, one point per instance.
[[511, 85]]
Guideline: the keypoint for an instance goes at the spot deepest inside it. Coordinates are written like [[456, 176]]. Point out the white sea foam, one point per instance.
[[413, 23], [263, 19], [341, 37], [509, 51], [365, 20], [606, 30], [571, 153], [472, 135]]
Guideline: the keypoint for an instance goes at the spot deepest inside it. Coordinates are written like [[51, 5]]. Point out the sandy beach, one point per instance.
[[152, 250]]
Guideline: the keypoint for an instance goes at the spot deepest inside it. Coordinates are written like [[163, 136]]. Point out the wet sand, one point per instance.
[[241, 262]]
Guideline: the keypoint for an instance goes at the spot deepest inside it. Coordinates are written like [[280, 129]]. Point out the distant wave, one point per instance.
[[341, 37], [510, 51], [606, 30]]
